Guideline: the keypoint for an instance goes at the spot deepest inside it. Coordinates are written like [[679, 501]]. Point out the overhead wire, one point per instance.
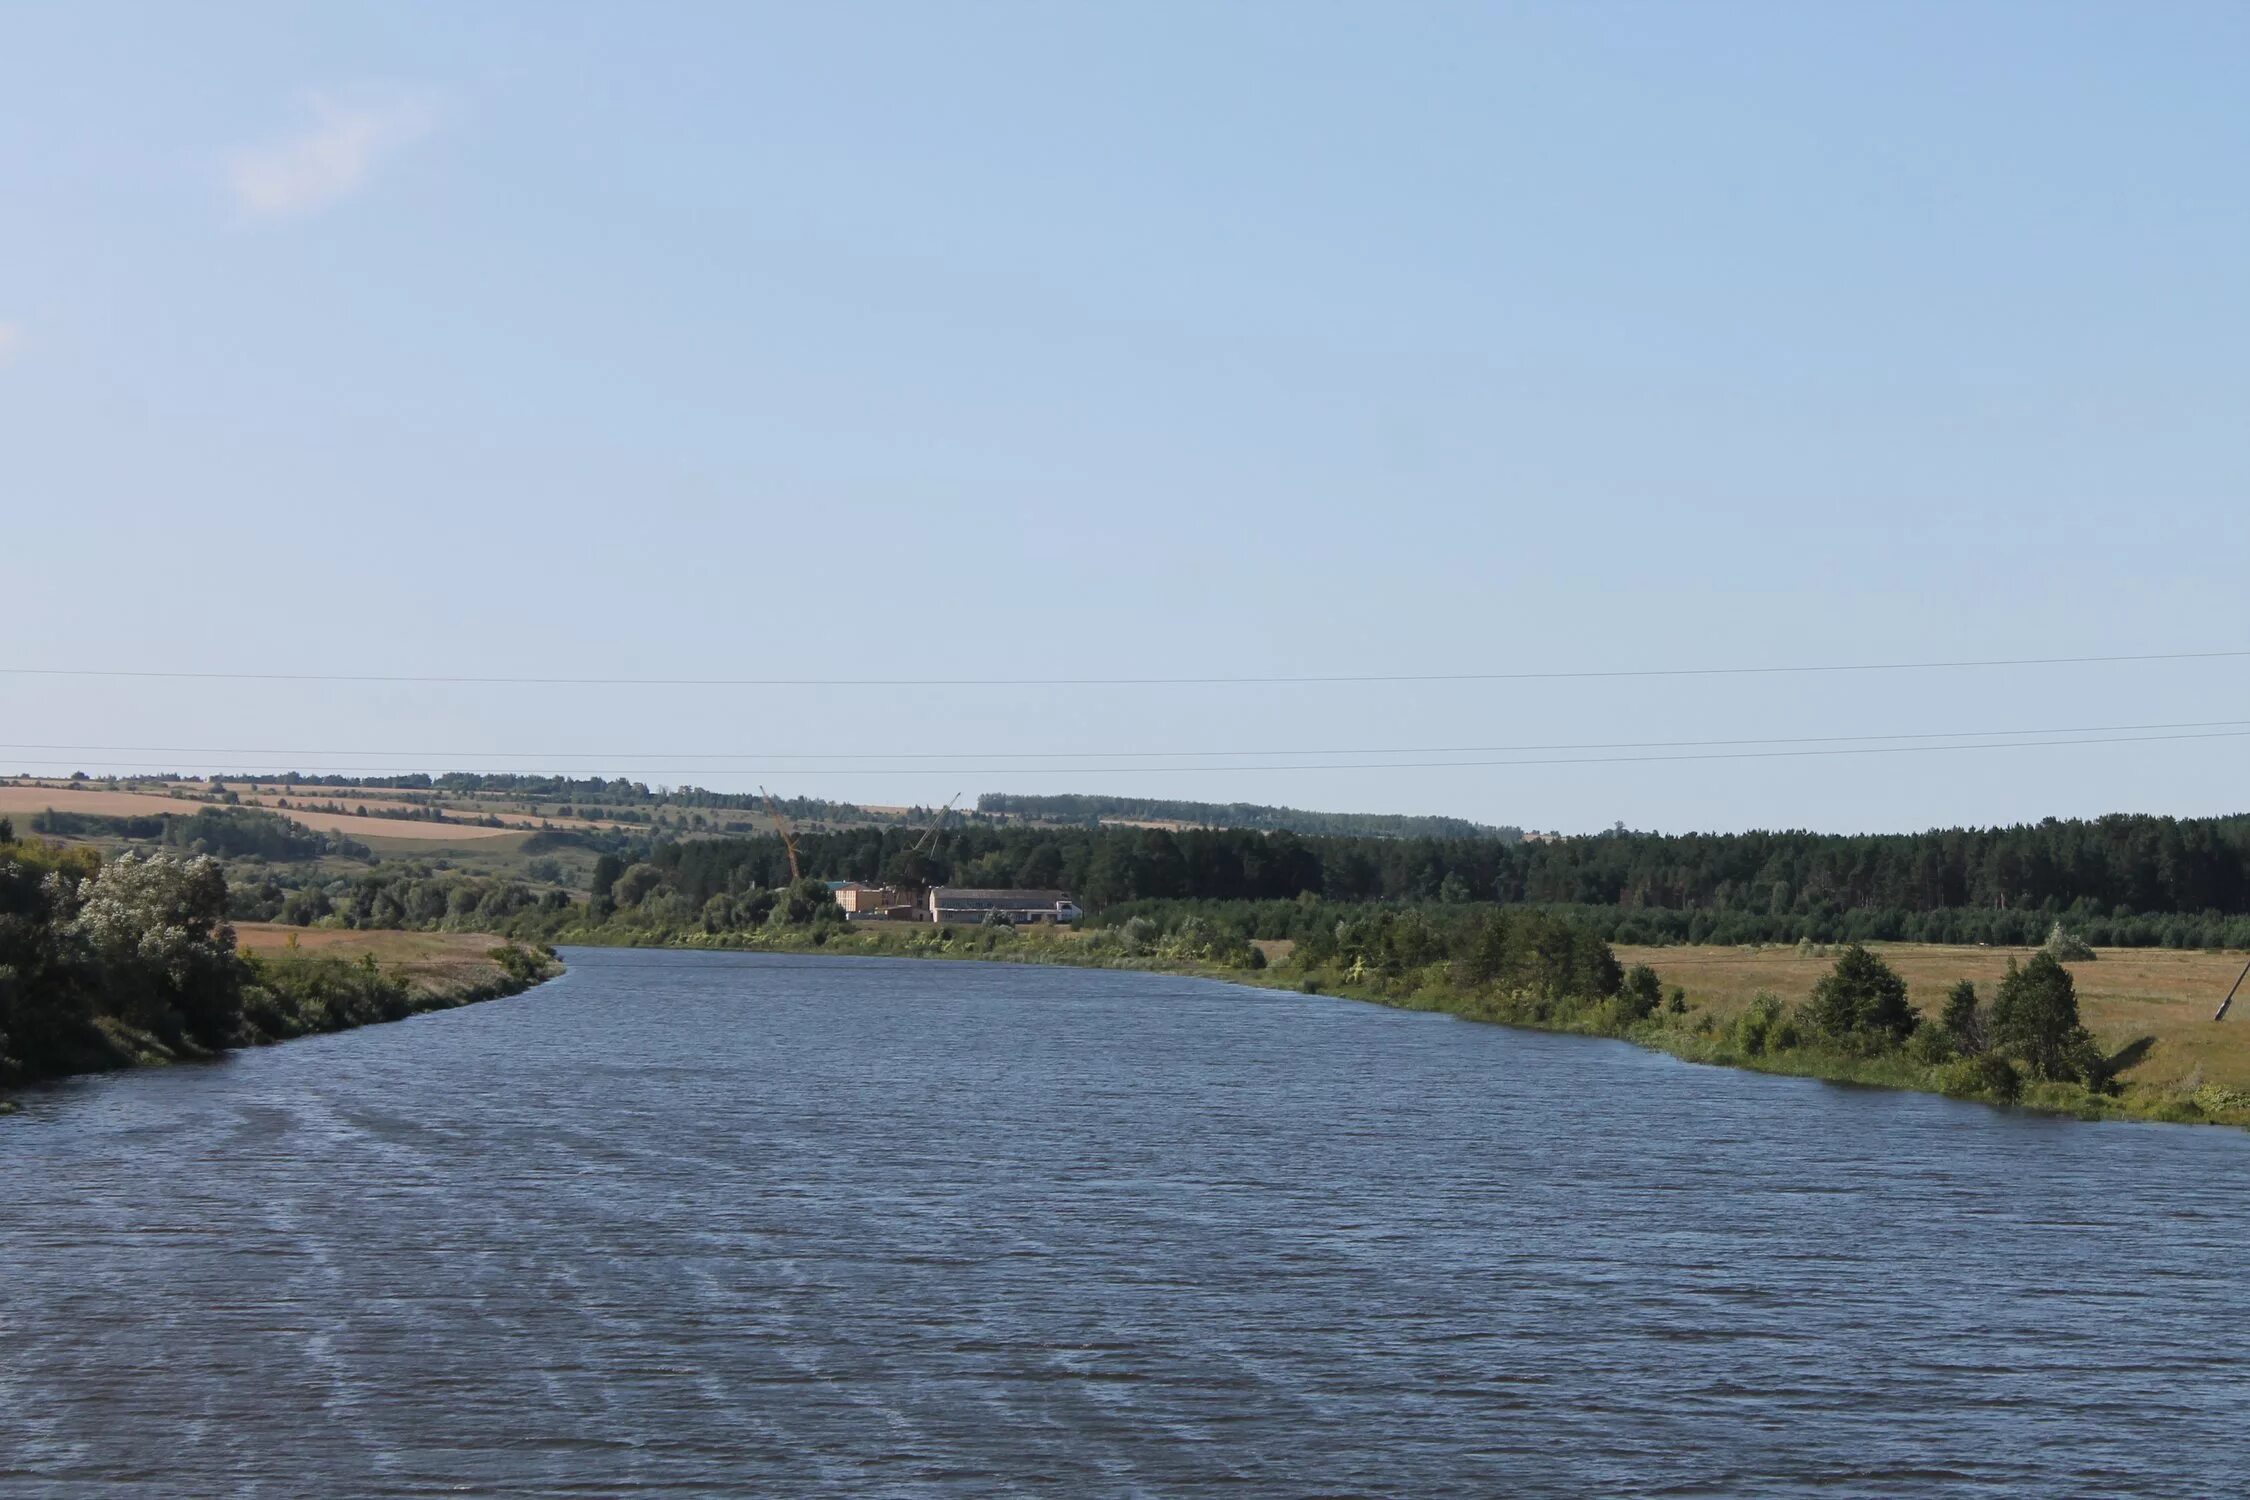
[[1216, 680], [1416, 765], [645, 756]]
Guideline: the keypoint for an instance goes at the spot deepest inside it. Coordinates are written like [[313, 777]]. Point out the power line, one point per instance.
[[1338, 679], [1409, 765], [644, 756]]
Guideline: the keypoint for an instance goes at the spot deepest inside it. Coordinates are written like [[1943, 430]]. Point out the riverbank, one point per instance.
[[304, 983], [2164, 1071]]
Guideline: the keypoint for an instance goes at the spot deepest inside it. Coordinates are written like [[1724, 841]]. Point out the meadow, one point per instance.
[[437, 962], [2151, 1007]]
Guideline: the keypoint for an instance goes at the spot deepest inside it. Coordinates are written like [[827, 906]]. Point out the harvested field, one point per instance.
[[17, 799], [436, 959], [2125, 995], [513, 816], [20, 801]]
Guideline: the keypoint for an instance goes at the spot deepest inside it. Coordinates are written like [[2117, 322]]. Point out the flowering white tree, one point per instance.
[[157, 928]]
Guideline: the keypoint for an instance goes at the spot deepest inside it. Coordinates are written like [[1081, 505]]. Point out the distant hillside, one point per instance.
[[1085, 809]]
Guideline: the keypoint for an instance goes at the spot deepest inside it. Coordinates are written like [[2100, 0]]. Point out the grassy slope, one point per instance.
[[2125, 995], [435, 963]]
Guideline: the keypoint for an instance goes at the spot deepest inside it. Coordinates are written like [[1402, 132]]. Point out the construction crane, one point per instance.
[[788, 834], [928, 840]]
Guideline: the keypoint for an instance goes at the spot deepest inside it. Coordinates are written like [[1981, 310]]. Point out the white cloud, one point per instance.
[[329, 158]]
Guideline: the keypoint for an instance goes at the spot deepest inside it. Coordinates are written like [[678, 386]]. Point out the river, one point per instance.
[[707, 1224]]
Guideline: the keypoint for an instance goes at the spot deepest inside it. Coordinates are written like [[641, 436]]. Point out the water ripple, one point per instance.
[[684, 1224]]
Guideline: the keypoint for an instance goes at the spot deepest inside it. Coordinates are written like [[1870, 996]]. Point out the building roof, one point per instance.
[[947, 894]]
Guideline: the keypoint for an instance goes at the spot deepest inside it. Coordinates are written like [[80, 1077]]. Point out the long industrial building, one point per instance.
[[969, 904]]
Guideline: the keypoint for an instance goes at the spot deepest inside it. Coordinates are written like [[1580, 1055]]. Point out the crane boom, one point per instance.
[[788, 834], [928, 840]]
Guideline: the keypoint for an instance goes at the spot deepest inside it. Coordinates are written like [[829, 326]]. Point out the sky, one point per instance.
[[952, 346]]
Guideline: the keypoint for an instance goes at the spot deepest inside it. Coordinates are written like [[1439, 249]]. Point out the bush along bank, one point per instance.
[[292, 996], [2022, 1044], [132, 962]]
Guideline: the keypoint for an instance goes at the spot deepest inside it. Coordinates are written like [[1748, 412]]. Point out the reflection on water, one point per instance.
[[704, 1224]]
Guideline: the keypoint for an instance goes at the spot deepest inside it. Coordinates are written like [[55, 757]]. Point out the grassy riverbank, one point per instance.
[[1721, 1007], [302, 984]]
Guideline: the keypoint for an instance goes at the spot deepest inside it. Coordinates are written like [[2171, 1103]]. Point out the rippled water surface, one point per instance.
[[702, 1224]]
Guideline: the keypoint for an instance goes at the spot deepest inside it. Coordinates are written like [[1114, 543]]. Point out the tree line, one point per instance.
[[1077, 807], [2123, 879], [226, 832], [2012, 885]]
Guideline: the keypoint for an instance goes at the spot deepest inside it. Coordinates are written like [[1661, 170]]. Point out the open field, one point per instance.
[[2124, 995], [515, 814], [436, 959], [21, 800]]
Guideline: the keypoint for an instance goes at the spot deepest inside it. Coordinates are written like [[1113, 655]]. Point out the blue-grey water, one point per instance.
[[692, 1224]]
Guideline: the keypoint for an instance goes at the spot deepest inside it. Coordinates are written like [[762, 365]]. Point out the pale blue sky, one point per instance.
[[1143, 340]]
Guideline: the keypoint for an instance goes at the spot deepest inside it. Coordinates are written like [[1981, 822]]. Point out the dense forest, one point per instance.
[[2125, 881], [2113, 868], [1081, 808]]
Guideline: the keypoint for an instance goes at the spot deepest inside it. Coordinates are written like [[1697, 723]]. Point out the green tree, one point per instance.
[[606, 870], [1861, 997], [635, 885], [1964, 1019], [807, 901], [2035, 1017], [157, 928], [1041, 869], [1642, 991]]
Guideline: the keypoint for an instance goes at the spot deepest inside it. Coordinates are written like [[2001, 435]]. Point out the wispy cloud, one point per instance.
[[330, 157]]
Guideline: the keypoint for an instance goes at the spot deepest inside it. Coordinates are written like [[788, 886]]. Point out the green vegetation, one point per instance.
[[1401, 919], [1091, 810], [1829, 889], [108, 963], [288, 995], [225, 832], [2112, 882]]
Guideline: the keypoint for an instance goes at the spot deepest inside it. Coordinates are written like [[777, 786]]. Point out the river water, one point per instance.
[[693, 1224]]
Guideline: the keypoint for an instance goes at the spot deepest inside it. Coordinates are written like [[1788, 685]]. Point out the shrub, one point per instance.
[[2035, 1017], [2066, 946], [1765, 1026], [1985, 1076], [806, 901], [1964, 1020], [1138, 935], [1931, 1045], [1861, 997], [1641, 993], [522, 965]]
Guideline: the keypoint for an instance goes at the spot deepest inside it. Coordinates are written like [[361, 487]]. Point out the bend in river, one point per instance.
[[699, 1223]]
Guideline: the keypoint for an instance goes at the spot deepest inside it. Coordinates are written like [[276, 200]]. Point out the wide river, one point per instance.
[[693, 1224]]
